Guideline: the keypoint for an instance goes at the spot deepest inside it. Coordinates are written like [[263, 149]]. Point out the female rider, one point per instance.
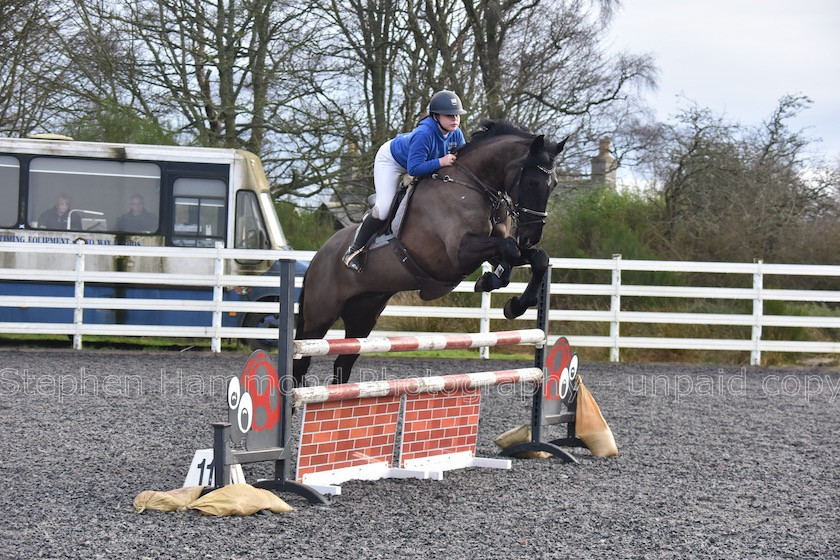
[[420, 152]]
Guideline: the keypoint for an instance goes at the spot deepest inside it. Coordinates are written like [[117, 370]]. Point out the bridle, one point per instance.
[[537, 216], [499, 198]]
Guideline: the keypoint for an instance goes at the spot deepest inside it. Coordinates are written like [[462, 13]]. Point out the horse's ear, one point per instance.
[[538, 145], [559, 146]]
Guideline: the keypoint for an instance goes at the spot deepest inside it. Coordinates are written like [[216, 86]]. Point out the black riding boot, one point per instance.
[[353, 257]]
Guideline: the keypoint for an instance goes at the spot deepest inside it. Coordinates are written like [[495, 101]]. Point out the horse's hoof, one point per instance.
[[488, 282], [514, 308], [481, 283]]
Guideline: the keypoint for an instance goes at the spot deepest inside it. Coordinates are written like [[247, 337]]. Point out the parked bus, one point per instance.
[[56, 190]]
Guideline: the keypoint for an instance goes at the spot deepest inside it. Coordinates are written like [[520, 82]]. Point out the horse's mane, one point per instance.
[[489, 129]]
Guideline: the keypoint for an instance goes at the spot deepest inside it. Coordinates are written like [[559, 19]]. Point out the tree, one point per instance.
[[733, 192], [236, 73], [363, 39], [205, 64], [314, 88], [538, 63], [29, 66]]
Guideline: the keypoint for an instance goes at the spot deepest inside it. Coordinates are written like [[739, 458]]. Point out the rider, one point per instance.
[[420, 152]]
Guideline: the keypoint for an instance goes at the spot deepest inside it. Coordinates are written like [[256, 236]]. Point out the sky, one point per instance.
[[739, 57]]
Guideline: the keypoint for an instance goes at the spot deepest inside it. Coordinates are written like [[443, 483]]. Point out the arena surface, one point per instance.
[[715, 462]]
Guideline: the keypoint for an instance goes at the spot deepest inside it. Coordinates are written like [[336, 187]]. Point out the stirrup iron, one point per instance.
[[352, 257]]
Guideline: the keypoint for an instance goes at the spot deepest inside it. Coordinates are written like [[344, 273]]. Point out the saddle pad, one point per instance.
[[396, 223]]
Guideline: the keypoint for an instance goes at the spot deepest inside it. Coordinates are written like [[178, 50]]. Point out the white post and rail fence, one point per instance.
[[817, 313]]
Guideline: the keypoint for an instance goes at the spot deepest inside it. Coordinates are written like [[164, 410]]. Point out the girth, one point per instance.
[[430, 288]]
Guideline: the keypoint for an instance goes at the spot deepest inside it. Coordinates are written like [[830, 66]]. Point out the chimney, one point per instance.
[[604, 165]]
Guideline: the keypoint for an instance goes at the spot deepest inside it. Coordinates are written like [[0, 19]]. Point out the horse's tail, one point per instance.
[[299, 318]]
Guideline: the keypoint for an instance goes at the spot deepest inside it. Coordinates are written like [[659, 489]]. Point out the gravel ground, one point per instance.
[[715, 462]]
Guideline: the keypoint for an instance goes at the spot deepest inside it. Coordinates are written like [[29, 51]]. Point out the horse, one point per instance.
[[489, 206]]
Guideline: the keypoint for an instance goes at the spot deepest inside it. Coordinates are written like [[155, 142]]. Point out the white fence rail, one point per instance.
[[612, 289]]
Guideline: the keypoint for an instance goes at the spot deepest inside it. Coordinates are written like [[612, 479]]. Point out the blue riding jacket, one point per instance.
[[418, 151]]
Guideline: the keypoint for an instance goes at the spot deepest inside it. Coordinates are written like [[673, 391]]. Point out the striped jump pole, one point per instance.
[[413, 386], [354, 431], [384, 344]]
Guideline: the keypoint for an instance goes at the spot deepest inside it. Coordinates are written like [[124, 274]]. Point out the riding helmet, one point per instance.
[[446, 102]]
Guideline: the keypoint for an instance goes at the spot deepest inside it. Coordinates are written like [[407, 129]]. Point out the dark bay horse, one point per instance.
[[490, 206]]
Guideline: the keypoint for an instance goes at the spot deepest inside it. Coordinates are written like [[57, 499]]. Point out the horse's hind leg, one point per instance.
[[301, 365], [305, 329], [360, 314]]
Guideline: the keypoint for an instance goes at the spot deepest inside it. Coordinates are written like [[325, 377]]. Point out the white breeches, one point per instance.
[[386, 177]]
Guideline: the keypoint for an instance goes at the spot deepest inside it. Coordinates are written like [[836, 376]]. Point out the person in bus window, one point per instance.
[[137, 219], [57, 216]]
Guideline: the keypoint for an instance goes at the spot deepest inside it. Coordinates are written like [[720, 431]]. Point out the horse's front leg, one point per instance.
[[538, 259], [499, 277], [501, 251]]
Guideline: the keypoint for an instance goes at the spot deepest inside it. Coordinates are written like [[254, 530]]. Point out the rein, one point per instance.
[[497, 198]]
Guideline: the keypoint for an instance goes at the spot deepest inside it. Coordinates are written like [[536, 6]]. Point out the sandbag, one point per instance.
[[239, 499], [590, 426], [520, 435], [172, 500]]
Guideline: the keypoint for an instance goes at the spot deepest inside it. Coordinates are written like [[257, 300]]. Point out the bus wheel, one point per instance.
[[269, 321]]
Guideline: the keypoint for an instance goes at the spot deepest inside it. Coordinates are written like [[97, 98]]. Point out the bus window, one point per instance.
[[250, 227], [90, 195], [199, 212], [9, 187], [138, 219]]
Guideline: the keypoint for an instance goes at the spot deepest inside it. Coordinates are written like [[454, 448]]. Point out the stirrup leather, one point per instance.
[[353, 258]]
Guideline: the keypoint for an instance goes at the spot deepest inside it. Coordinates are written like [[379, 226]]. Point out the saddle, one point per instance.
[[396, 215], [430, 287]]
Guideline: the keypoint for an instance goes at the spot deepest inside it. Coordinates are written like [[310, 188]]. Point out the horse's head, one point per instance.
[[534, 181]]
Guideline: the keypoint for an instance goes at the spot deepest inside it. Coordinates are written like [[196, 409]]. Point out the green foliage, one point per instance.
[[305, 229], [113, 122], [599, 223]]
